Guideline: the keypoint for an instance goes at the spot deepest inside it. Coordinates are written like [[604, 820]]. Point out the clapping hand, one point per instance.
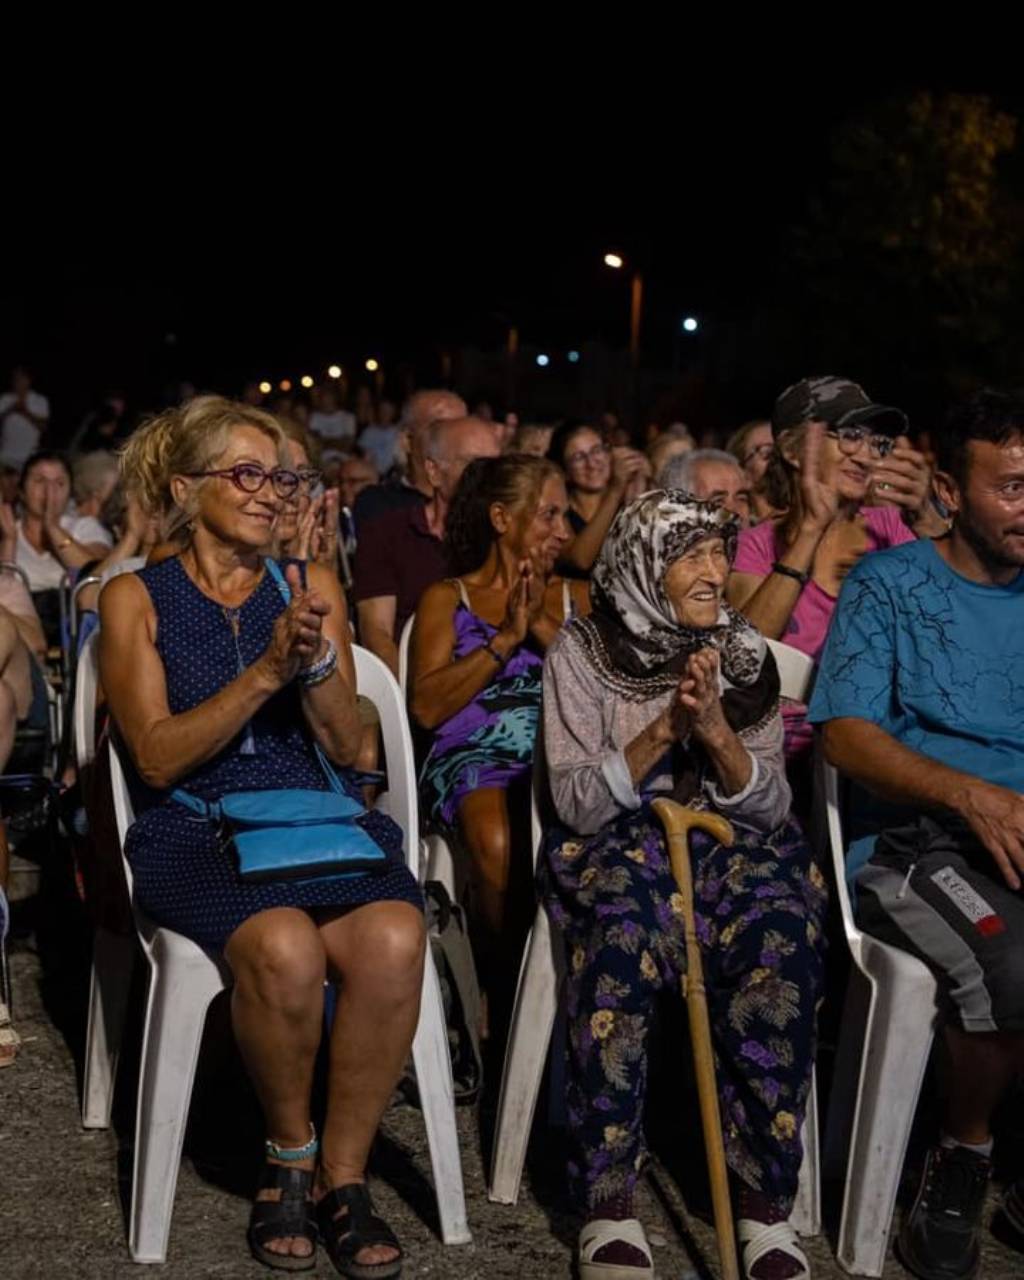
[[297, 638], [696, 707], [903, 478], [627, 466], [820, 500]]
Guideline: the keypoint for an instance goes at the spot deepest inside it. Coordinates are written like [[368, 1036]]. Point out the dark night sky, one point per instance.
[[430, 239]]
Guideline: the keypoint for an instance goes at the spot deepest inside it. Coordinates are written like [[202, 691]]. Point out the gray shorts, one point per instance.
[[952, 909]]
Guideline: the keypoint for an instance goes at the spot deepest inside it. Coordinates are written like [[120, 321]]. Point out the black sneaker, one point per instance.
[[939, 1239], [1013, 1211]]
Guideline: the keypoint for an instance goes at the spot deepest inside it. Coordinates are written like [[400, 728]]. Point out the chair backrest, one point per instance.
[[375, 682], [92, 580], [83, 713], [829, 790], [403, 656], [124, 813], [796, 670]]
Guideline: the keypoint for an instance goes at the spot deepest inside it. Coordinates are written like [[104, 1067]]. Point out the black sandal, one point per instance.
[[292, 1215], [348, 1225]]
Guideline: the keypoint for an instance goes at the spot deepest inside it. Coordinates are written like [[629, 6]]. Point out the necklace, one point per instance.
[[234, 621]]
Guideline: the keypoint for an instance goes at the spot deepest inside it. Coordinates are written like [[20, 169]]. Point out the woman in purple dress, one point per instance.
[[477, 650]]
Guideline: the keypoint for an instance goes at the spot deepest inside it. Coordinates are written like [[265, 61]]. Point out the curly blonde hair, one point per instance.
[[183, 440]]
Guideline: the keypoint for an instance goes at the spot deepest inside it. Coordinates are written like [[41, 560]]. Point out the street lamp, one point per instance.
[[334, 371], [372, 365], [636, 302], [265, 388], [690, 324], [306, 381], [285, 384]]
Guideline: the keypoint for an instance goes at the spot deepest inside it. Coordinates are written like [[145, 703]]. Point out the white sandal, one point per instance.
[[10, 1041], [603, 1231], [760, 1238]]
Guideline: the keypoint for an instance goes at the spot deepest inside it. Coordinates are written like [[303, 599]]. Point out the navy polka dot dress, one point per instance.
[[183, 877]]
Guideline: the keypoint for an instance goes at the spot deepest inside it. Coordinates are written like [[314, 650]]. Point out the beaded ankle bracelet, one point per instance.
[[289, 1154]]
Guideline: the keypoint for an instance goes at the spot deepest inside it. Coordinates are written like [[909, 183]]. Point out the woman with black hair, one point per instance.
[[476, 657], [599, 480]]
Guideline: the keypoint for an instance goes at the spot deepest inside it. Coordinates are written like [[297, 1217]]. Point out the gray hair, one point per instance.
[[677, 473], [92, 472]]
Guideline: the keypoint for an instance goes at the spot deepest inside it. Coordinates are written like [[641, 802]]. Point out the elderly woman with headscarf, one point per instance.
[[665, 690]]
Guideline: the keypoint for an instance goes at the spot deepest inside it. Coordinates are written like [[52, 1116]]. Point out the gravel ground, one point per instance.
[[63, 1190]]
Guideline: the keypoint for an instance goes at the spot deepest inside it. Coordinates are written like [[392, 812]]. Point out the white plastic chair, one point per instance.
[[113, 954], [437, 860], [537, 998], [184, 979], [885, 1041]]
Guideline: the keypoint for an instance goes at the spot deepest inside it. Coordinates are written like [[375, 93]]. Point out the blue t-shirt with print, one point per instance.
[[935, 660]]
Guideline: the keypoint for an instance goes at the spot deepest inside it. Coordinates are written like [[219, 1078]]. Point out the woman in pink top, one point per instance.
[[787, 572]]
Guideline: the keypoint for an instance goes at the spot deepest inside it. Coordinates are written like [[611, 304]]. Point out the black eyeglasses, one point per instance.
[[594, 454], [309, 478], [851, 438], [250, 477]]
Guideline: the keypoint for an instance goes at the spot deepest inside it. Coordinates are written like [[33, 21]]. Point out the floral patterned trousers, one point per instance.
[[760, 908]]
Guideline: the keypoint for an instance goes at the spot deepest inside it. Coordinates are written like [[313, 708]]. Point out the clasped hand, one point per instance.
[[297, 639], [696, 706]]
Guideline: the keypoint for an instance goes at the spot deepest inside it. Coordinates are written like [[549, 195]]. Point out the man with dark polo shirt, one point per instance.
[[420, 410], [399, 553]]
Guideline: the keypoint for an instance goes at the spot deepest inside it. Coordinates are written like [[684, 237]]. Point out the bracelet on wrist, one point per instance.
[[492, 652], [787, 571], [320, 670]]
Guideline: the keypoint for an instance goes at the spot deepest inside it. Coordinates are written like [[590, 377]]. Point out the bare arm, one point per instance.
[[330, 707], [584, 548], [441, 684], [377, 629], [166, 747], [885, 766], [769, 602]]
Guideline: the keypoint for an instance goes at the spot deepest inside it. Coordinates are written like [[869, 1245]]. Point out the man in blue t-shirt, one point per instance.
[[921, 698]]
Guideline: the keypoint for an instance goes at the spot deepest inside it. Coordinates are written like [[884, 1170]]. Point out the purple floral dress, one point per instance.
[[490, 742], [759, 909]]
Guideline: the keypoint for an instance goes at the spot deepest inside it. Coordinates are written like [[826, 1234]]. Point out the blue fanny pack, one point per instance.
[[292, 834]]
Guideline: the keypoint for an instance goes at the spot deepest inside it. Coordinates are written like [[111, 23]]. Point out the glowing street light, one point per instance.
[[306, 381], [543, 361], [616, 262], [265, 388], [285, 384], [574, 357], [690, 324], [372, 365], [334, 371]]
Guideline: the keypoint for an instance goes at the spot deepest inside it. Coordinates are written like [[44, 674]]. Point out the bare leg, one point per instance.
[[15, 671], [501, 895], [279, 965], [8, 723], [483, 816], [376, 951], [981, 1069]]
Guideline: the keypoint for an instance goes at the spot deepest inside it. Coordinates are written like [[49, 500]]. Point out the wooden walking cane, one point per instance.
[[678, 822]]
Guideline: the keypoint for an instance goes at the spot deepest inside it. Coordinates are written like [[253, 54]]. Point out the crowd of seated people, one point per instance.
[[576, 600]]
